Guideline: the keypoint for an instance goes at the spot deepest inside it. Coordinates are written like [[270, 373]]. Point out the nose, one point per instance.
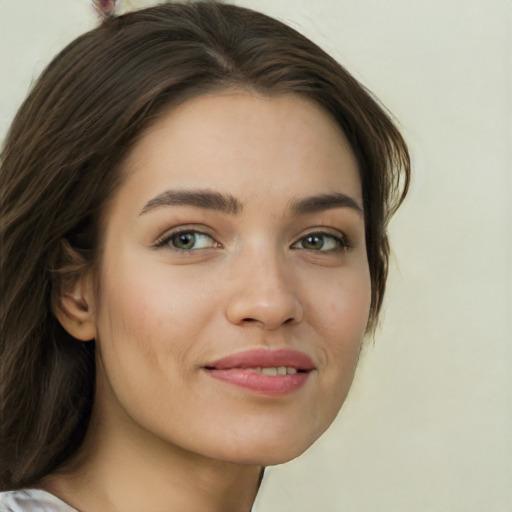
[[263, 293]]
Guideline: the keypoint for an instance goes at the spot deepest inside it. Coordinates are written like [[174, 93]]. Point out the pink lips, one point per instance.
[[244, 369]]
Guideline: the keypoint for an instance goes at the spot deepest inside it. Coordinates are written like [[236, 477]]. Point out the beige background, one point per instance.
[[427, 427]]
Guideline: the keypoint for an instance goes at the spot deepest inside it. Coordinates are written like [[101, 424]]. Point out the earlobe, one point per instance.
[[74, 309]]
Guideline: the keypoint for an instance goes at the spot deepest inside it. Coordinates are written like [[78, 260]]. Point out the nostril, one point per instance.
[[270, 311], [250, 320]]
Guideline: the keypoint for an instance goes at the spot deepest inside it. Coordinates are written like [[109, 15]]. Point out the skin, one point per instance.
[[165, 435]]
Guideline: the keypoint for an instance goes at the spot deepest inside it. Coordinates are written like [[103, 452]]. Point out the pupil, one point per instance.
[[314, 242], [185, 240]]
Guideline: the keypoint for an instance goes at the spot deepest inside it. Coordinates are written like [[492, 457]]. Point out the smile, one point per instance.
[[274, 371], [268, 372]]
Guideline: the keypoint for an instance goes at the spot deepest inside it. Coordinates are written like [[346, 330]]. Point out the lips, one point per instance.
[[271, 372]]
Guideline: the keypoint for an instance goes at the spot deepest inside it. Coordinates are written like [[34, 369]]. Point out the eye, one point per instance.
[[187, 240], [324, 242]]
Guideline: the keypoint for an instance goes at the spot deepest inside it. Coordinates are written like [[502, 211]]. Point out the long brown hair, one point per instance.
[[60, 167]]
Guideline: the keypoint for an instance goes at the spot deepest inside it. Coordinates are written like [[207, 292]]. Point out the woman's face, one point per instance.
[[233, 251]]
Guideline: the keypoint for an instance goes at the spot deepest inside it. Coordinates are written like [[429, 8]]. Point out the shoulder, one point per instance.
[[32, 500]]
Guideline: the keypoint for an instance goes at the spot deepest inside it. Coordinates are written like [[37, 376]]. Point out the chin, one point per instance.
[[272, 456], [269, 450]]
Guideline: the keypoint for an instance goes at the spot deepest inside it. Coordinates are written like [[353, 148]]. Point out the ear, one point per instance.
[[75, 308]]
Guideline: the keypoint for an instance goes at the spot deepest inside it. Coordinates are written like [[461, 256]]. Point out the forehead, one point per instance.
[[238, 141]]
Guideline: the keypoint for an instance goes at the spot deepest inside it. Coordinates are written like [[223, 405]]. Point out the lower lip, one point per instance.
[[264, 384]]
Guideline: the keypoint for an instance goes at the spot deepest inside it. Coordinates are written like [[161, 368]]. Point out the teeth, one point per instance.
[[274, 371]]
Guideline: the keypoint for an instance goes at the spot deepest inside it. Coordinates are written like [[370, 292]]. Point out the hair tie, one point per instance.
[[105, 8]]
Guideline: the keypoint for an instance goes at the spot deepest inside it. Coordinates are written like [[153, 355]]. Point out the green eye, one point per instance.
[[187, 241], [323, 242], [313, 242]]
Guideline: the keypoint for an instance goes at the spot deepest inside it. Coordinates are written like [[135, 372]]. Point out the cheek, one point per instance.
[[351, 307], [154, 300], [148, 316], [341, 322], [145, 323], [341, 306]]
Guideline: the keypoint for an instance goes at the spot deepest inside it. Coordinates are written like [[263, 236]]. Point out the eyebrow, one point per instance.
[[206, 199], [323, 202], [226, 203]]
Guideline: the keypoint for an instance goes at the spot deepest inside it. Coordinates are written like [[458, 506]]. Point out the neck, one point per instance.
[[117, 471]]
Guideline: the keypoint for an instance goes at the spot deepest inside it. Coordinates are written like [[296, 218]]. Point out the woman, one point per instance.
[[194, 209]]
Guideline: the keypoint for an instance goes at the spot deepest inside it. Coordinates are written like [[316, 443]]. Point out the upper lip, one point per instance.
[[264, 358]]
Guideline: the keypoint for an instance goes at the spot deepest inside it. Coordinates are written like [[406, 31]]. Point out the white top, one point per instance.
[[32, 500]]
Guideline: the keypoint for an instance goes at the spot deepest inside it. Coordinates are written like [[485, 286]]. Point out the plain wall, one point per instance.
[[427, 426]]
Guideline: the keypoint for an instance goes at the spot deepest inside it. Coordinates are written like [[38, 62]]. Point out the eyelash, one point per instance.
[[340, 242], [166, 239]]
